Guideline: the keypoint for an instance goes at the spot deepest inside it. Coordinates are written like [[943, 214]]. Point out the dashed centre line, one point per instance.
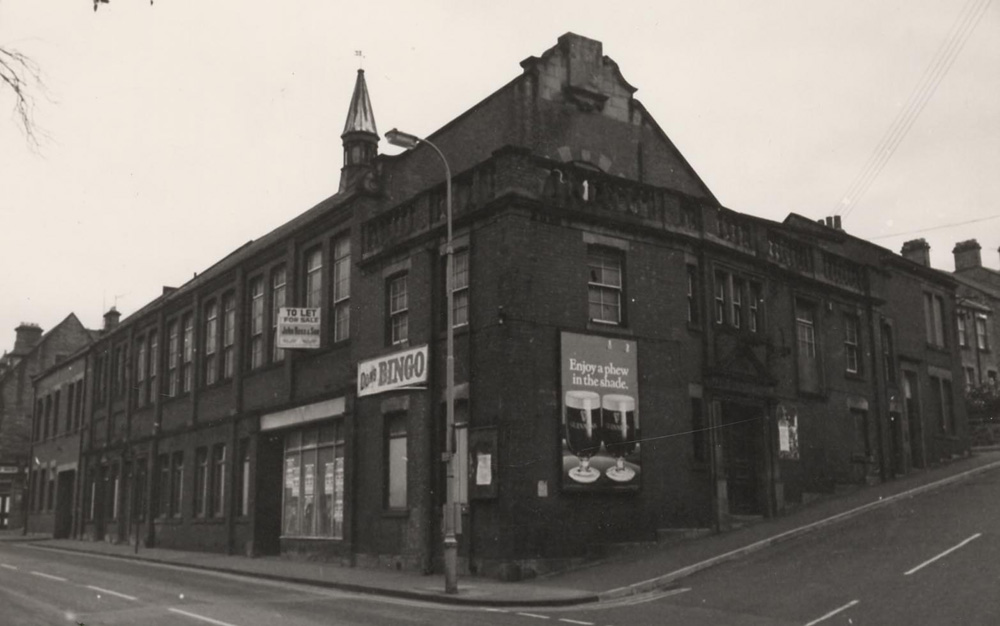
[[112, 593], [200, 617], [943, 554], [49, 576], [5, 566], [833, 612], [575, 621], [535, 615]]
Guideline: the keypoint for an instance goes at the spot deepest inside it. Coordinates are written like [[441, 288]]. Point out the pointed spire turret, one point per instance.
[[360, 135]]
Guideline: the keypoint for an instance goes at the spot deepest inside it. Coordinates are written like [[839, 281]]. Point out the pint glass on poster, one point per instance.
[[620, 434], [581, 412]]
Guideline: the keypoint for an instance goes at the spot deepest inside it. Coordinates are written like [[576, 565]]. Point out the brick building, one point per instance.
[[55, 446], [978, 324], [631, 356], [33, 352]]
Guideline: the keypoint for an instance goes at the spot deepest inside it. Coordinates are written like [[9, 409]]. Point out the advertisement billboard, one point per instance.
[[600, 413]]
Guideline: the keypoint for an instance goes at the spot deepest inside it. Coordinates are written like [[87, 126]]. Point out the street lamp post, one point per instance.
[[450, 513]]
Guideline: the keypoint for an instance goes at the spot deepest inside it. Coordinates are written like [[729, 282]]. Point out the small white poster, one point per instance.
[[484, 469]]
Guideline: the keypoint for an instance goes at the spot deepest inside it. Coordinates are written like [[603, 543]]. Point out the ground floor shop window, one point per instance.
[[243, 481], [395, 447], [313, 495]]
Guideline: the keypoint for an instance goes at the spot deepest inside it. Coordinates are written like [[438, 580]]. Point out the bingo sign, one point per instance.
[[400, 370], [298, 328], [600, 414]]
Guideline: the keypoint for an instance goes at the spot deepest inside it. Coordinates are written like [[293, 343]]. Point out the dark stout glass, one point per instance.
[[620, 433], [581, 424]]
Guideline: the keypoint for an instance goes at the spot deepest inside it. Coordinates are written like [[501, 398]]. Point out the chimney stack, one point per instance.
[[918, 251], [27, 336], [968, 255], [111, 319]]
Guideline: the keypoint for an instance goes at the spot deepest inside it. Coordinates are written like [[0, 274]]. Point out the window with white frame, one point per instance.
[[173, 359], [314, 278], [187, 353], [982, 338], [692, 295], [278, 287], [934, 319], [460, 288], [754, 320], [963, 330], [605, 285], [852, 361], [217, 504], [341, 288], [398, 309], [736, 297], [395, 461], [200, 482], [211, 342], [228, 334], [805, 330], [256, 322]]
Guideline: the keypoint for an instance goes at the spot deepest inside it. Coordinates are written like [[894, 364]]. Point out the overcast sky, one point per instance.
[[175, 133]]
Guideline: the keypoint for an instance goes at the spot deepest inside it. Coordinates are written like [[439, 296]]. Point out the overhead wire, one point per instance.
[[943, 60], [940, 227]]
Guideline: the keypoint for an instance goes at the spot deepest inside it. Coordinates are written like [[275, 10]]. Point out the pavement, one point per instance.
[[647, 568]]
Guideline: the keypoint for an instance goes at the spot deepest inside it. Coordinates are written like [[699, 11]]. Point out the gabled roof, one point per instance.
[[44, 338]]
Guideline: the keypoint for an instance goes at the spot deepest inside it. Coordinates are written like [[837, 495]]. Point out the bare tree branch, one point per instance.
[[22, 76]]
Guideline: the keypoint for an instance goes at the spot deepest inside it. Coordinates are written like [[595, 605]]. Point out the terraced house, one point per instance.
[[632, 358]]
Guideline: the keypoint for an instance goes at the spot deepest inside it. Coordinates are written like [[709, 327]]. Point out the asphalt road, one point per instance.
[[932, 559]]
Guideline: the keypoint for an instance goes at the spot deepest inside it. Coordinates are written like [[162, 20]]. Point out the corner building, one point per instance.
[[632, 359]]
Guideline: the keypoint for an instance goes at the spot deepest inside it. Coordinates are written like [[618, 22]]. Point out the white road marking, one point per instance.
[[5, 566], [492, 610], [49, 576], [943, 554], [113, 593], [535, 615], [201, 617], [833, 612], [575, 621]]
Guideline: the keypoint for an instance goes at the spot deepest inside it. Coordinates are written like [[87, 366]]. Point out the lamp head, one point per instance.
[[401, 139]]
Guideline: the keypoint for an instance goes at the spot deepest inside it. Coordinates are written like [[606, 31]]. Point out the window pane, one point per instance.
[[290, 522], [308, 492]]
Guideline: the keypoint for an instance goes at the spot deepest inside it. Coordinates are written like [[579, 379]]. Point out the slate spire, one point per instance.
[[360, 135]]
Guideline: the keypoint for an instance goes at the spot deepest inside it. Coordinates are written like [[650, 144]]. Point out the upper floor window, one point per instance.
[[173, 359], [982, 338], [605, 285], [228, 333], [341, 288], [119, 380], [140, 371], [314, 278], [398, 309], [460, 287], [187, 352], [934, 319], [736, 287], [963, 330], [852, 361], [154, 361], [754, 320], [211, 343], [805, 331], [692, 295], [888, 353], [278, 285], [256, 322], [720, 297]]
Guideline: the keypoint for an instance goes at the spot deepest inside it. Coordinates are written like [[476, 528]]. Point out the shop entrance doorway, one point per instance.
[[742, 438]]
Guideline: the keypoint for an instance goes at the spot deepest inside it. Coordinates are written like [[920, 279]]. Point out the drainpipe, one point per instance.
[[876, 372]]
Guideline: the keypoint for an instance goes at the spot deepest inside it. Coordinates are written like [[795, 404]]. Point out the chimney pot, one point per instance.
[[918, 251], [968, 255], [27, 335], [837, 223], [111, 319]]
